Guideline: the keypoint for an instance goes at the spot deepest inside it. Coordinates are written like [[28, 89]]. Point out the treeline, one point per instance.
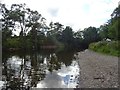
[[34, 33], [111, 29], [110, 36]]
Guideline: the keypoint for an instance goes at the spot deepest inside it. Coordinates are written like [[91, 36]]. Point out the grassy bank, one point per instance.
[[110, 48]]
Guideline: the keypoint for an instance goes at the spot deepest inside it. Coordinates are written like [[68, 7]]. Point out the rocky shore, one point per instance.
[[97, 70]]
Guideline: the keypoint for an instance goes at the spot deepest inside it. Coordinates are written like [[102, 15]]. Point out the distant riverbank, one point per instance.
[[97, 70]]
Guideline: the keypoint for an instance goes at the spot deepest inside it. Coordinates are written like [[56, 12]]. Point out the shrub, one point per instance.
[[110, 48]]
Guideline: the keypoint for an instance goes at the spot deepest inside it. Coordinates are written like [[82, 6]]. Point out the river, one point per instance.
[[41, 69]]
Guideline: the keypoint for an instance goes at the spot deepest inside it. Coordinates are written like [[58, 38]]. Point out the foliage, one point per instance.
[[67, 36], [114, 29], [111, 48], [111, 29], [90, 35], [19, 17], [104, 31], [34, 33]]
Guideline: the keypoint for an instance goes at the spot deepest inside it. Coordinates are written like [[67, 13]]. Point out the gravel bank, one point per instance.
[[97, 70]]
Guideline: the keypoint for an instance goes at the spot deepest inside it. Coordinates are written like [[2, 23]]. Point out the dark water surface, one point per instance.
[[44, 69]]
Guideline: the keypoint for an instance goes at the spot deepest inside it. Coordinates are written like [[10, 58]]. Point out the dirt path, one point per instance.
[[97, 70]]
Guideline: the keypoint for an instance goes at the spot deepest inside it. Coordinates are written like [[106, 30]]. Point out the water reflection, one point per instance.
[[40, 70]]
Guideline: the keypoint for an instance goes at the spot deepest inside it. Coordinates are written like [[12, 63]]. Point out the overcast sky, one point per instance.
[[78, 14]]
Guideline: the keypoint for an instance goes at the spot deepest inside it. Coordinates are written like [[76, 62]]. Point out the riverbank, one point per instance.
[[106, 47], [97, 70]]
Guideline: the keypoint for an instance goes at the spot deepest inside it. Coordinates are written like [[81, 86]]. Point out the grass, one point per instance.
[[110, 48]]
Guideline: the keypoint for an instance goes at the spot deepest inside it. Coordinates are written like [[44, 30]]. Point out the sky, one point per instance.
[[78, 14]]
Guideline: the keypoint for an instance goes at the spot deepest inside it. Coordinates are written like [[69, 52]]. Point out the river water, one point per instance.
[[44, 69]]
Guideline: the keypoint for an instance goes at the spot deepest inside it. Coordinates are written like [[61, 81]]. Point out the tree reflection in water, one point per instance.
[[27, 70]]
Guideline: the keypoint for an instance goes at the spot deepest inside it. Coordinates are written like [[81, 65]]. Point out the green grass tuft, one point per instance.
[[111, 48]]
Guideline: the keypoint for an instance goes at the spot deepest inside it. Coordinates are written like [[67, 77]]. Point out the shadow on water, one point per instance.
[[43, 69]]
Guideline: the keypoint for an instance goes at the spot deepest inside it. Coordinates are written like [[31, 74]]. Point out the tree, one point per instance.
[[55, 29], [54, 33], [90, 35], [116, 12], [78, 34], [67, 36], [19, 17], [78, 40], [22, 19], [6, 33], [114, 27], [104, 31]]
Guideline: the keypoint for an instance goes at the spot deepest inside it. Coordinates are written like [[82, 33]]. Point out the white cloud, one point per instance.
[[53, 11], [78, 13]]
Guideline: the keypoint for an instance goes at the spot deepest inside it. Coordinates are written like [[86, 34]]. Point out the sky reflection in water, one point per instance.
[[66, 77], [40, 71]]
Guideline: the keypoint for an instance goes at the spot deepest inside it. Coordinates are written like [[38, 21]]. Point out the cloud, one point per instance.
[[53, 11], [78, 13], [51, 81]]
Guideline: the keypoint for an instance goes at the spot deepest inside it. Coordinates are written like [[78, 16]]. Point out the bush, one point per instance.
[[13, 42], [110, 48]]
